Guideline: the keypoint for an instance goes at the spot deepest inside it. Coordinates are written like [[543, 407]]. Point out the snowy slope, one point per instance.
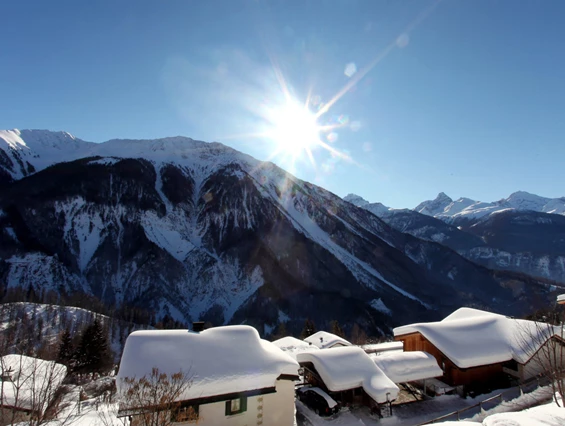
[[40, 325], [27, 151]]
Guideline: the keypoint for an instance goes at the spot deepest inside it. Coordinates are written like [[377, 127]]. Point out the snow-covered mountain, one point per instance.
[[513, 234], [445, 208], [203, 232], [434, 207], [378, 209]]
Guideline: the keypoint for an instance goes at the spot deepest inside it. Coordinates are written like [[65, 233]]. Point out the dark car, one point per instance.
[[318, 401]]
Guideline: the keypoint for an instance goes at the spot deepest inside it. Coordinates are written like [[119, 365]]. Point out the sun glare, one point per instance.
[[295, 129]]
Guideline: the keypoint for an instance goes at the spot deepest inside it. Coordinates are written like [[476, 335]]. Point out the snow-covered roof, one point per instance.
[[323, 340], [292, 346], [471, 337], [403, 367], [331, 402], [386, 347], [561, 298], [33, 381], [219, 360], [349, 367]]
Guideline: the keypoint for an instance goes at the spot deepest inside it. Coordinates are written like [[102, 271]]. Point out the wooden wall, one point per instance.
[[452, 374]]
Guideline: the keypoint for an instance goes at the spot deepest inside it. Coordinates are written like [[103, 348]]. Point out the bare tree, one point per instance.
[[29, 391], [543, 346], [153, 400]]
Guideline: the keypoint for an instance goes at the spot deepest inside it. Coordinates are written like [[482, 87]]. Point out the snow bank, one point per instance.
[[323, 340], [219, 360], [471, 337], [33, 381], [403, 367], [292, 346], [543, 415], [350, 367]]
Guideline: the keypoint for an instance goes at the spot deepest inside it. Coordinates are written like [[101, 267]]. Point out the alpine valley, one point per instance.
[[199, 231]]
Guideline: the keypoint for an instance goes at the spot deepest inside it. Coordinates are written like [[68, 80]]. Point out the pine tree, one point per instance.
[[281, 332], [93, 354], [309, 329], [336, 329], [66, 349]]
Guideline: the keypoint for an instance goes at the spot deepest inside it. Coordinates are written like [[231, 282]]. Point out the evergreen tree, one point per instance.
[[66, 349], [336, 329], [309, 329], [281, 332], [93, 354]]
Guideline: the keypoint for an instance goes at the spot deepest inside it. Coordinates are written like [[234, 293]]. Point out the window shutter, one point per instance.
[[228, 408], [243, 404]]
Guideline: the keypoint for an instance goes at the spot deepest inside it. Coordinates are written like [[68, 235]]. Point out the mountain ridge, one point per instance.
[[197, 230], [506, 237]]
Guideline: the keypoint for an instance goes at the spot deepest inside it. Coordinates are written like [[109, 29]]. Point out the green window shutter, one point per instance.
[[228, 408], [243, 404]]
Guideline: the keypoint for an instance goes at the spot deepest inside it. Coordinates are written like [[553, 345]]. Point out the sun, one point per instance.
[[295, 129]]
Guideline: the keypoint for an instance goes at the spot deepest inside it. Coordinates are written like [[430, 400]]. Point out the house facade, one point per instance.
[[236, 378], [452, 374]]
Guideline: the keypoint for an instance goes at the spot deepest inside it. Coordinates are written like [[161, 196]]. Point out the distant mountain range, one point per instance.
[[444, 207], [200, 231], [523, 233]]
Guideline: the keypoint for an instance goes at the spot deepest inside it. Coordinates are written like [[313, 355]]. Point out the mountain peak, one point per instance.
[[434, 207], [442, 196], [356, 200]]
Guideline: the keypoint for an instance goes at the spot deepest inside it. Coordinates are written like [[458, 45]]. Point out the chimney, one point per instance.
[[198, 326]]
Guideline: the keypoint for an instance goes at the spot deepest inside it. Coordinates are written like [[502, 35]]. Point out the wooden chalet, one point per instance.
[[475, 348]]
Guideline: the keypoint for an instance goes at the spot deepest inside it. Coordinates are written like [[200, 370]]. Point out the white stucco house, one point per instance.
[[236, 377]]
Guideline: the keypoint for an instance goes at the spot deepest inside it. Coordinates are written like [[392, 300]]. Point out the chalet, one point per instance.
[[325, 340], [28, 386], [236, 378], [475, 347], [348, 375]]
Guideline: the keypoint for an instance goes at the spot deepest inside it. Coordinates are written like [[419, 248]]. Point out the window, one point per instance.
[[185, 414], [236, 406]]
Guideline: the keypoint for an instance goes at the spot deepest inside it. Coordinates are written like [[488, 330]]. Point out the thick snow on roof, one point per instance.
[[403, 367], [323, 340], [471, 337], [34, 381], [561, 298], [219, 360], [378, 348], [292, 346], [350, 367]]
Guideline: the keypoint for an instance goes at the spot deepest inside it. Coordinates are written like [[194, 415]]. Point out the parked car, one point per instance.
[[317, 400]]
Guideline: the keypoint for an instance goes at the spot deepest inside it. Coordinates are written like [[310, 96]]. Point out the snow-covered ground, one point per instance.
[[423, 411]]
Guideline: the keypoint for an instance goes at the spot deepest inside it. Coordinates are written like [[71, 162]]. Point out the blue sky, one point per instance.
[[468, 97]]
